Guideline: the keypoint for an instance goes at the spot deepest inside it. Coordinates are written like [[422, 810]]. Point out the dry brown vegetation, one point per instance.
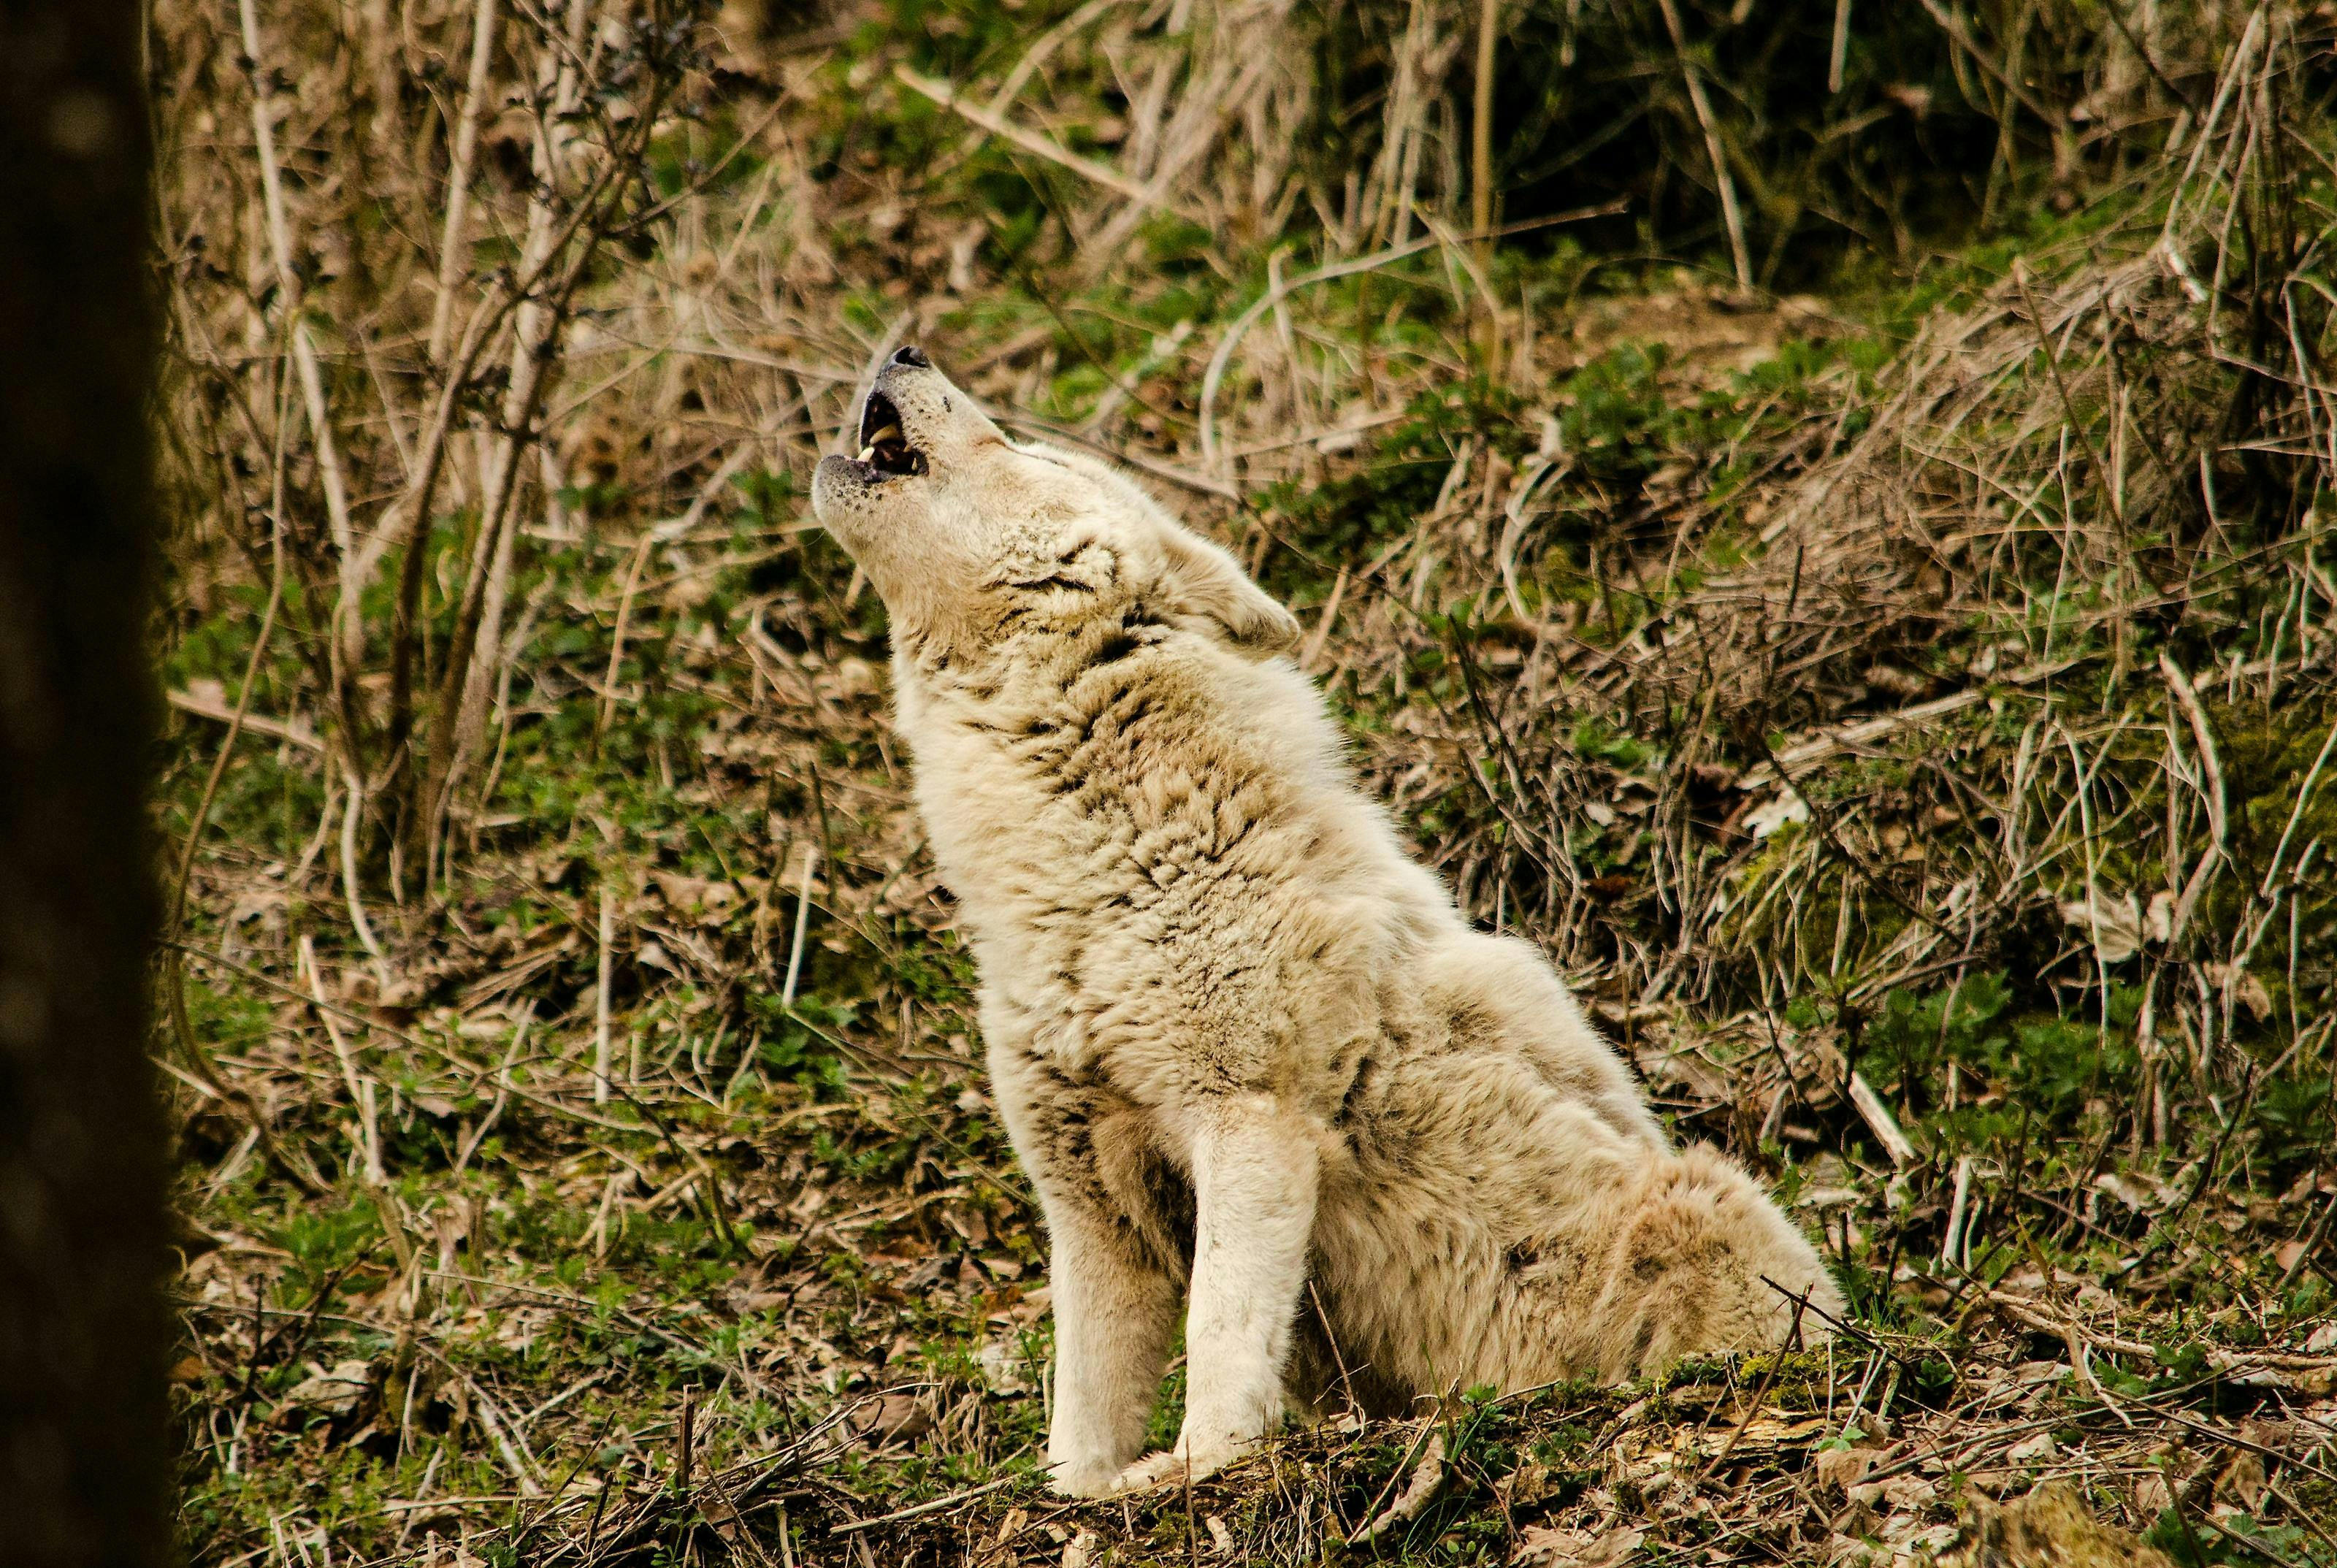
[[1905, 707]]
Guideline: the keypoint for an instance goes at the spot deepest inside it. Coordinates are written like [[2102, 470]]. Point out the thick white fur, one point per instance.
[[1256, 1062]]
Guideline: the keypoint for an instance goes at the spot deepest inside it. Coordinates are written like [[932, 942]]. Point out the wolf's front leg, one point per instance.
[[1255, 1167], [1115, 1315]]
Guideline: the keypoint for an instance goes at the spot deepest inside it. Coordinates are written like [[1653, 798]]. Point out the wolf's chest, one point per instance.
[[1041, 845]]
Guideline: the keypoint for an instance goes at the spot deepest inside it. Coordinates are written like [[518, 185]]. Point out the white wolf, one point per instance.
[[1249, 1052]]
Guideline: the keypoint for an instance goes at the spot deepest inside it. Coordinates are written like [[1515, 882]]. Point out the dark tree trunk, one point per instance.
[[85, 1445]]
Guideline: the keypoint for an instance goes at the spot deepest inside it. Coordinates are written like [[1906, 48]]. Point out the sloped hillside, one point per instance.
[[1818, 520]]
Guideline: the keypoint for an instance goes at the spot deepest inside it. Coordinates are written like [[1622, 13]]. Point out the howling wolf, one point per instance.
[[1250, 1053]]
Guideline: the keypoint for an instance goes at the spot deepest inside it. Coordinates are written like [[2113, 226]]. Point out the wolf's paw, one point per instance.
[[1173, 1467], [1072, 1479], [1165, 1469]]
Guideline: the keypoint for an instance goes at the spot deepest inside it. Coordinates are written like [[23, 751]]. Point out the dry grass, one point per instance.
[[1906, 712]]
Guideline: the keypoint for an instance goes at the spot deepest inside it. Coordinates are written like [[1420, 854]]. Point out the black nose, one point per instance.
[[910, 354]]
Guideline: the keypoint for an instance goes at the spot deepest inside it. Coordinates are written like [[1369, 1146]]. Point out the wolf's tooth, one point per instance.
[[890, 432], [867, 452]]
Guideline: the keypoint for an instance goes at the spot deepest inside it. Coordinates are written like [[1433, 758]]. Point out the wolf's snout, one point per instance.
[[910, 354]]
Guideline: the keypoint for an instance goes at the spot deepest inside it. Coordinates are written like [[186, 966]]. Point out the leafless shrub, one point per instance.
[[377, 240]]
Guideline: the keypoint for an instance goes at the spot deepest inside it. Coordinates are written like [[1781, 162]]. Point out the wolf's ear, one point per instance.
[[1205, 580]]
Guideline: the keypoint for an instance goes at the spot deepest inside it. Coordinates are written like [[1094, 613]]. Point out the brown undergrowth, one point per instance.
[[1905, 711]]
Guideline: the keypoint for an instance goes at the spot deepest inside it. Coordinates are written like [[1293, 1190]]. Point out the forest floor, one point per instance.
[[1942, 845]]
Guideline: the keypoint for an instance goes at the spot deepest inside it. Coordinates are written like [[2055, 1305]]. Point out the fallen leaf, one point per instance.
[[897, 1417], [681, 892], [1427, 1475], [2036, 1449], [1003, 1366], [1526, 1486], [1909, 1493], [1840, 1469], [2244, 1481], [519, 1328], [336, 1392], [715, 1510], [2113, 923], [1547, 1546], [1846, 1551]]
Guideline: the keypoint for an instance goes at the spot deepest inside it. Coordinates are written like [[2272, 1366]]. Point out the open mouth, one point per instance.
[[883, 445]]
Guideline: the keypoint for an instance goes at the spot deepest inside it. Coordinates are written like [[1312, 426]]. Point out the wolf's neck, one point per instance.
[[1133, 805]]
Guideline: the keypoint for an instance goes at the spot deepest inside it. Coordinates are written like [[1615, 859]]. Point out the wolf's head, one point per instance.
[[973, 539]]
